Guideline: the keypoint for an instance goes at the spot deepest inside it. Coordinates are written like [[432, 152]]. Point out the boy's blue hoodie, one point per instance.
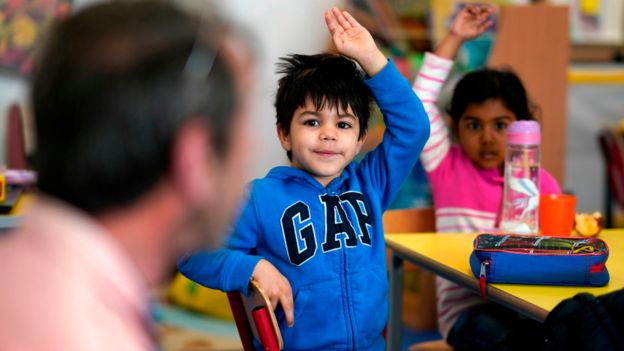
[[327, 241]]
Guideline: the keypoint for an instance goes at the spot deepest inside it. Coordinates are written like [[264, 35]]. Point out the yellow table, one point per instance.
[[21, 203], [447, 255], [13, 218]]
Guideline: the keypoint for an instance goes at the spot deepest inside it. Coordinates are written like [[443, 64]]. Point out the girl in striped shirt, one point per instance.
[[466, 177]]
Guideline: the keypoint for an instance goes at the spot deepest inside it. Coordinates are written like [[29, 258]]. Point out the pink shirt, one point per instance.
[[466, 198], [67, 285]]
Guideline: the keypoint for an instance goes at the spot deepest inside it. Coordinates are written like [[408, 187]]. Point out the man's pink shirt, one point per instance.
[[68, 285]]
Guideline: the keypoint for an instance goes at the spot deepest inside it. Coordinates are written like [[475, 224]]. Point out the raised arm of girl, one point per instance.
[[469, 23]]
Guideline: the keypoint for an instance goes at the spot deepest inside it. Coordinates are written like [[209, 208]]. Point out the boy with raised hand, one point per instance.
[[313, 230]]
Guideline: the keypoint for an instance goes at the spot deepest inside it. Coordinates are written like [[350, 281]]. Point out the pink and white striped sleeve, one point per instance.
[[427, 86]]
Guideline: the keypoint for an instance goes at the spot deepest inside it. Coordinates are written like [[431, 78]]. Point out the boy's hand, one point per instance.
[[353, 40], [469, 23], [472, 21], [276, 287]]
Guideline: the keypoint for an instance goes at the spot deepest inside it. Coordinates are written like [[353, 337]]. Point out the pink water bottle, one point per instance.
[[521, 188]]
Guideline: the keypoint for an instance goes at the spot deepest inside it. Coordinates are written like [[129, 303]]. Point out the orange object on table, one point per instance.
[[556, 214], [2, 187]]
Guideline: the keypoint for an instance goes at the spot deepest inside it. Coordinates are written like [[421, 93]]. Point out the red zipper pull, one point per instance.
[[482, 280]]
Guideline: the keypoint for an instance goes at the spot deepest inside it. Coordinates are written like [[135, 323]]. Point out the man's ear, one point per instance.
[[194, 163], [284, 138]]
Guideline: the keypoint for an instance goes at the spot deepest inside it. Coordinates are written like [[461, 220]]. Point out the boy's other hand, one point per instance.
[[276, 287], [472, 21], [353, 40]]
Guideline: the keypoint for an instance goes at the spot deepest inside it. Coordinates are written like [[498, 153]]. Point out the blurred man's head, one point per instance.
[[136, 102]]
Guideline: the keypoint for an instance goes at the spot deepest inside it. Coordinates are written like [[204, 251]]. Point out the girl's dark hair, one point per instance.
[[325, 79], [481, 85]]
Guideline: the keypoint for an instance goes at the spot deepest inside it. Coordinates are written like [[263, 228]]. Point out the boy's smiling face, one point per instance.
[[482, 132], [322, 141]]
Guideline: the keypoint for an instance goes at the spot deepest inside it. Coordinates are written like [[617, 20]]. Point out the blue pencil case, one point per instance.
[[536, 259]]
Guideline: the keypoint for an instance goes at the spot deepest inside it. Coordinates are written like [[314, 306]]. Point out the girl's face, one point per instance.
[[482, 132]]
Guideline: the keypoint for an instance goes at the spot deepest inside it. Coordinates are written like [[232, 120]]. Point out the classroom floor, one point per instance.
[[411, 336], [182, 330]]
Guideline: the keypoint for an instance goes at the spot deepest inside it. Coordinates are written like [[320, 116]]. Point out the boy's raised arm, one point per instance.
[[354, 41]]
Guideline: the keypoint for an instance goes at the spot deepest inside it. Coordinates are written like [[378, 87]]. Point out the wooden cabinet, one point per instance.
[[533, 40]]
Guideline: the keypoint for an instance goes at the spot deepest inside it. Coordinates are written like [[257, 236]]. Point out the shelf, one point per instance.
[[606, 73]]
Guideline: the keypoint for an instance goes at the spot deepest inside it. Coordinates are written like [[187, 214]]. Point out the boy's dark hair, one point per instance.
[[110, 97], [324, 79], [484, 84]]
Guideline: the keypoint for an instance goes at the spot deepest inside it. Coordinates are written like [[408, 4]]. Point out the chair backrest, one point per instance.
[[255, 319], [612, 147], [410, 220]]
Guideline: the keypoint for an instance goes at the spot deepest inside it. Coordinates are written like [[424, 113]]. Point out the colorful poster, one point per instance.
[[22, 23]]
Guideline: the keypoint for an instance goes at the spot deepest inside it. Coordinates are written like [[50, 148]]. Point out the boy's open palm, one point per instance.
[[276, 287], [353, 40], [472, 21]]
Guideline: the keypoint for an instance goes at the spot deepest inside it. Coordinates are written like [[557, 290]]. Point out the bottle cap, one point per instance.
[[524, 133]]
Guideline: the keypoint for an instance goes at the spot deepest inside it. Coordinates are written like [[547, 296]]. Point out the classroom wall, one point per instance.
[[14, 89], [280, 27], [277, 27], [284, 26], [591, 107]]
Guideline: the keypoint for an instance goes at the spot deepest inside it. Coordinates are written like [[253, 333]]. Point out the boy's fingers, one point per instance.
[[287, 305], [341, 19], [331, 24], [273, 301], [350, 19]]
